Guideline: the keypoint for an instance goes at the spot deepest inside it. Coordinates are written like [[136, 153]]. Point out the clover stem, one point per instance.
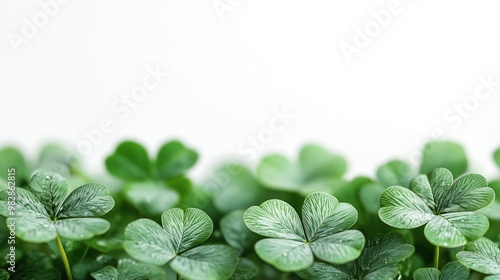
[[436, 257], [64, 258]]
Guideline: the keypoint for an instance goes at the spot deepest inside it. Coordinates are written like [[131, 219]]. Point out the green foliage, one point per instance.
[[451, 271], [310, 222], [444, 154], [447, 208], [481, 255], [316, 167], [176, 242], [45, 210], [323, 232], [128, 269], [496, 157], [380, 259]]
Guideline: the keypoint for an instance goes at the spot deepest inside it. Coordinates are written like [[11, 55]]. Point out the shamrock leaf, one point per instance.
[[315, 163], [174, 159], [151, 198], [235, 232], [13, 158], [129, 269], [129, 162], [481, 255], [44, 211], [238, 189], [245, 270], [496, 157], [35, 265], [446, 207], [379, 260], [451, 271], [445, 154], [323, 232], [176, 242], [395, 173]]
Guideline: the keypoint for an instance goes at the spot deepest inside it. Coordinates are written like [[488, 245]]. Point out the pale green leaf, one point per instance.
[[481, 255], [81, 228], [275, 218], [235, 232], [450, 271], [445, 154], [402, 208], [323, 216], [339, 247], [151, 198], [455, 229], [395, 173], [147, 241], [496, 157], [277, 172], [317, 162], [130, 270], [90, 200], [208, 262], [186, 228], [285, 255]]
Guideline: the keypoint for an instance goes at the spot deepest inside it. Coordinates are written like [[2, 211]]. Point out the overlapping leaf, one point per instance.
[[450, 271], [481, 255], [379, 260], [323, 232], [44, 210], [316, 168], [176, 242], [129, 269], [446, 207]]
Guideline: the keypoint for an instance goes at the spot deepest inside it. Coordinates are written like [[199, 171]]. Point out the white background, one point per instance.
[[228, 74]]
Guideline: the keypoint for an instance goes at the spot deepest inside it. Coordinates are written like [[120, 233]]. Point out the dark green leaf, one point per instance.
[[450, 271], [245, 270], [174, 159], [129, 162], [130, 270]]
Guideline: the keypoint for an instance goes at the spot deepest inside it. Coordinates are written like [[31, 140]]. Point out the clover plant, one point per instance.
[[45, 211], [293, 243]]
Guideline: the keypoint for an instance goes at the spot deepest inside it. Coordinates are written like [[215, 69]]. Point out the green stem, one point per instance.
[[436, 257], [64, 258]]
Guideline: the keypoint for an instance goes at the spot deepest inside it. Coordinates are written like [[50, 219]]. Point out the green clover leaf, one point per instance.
[[45, 211], [481, 255], [323, 232], [496, 157], [316, 169], [176, 242], [447, 208], [445, 154], [131, 162], [451, 271], [129, 269], [380, 259]]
